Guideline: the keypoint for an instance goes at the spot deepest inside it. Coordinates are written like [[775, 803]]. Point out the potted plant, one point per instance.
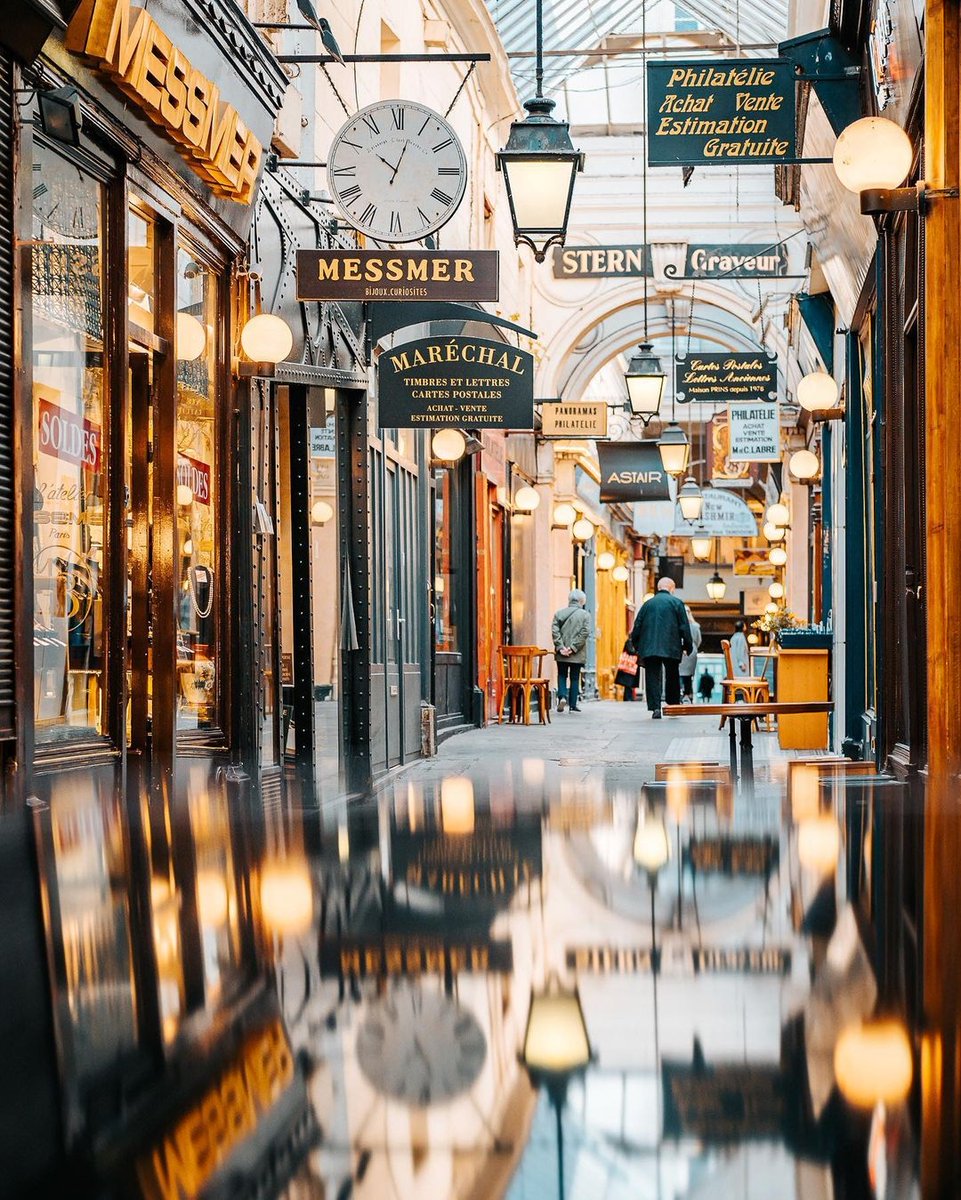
[[773, 624]]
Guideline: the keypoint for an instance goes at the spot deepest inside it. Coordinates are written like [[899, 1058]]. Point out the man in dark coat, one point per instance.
[[661, 636]]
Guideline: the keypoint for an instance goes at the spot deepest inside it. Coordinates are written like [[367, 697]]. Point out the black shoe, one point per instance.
[[573, 709], [656, 715]]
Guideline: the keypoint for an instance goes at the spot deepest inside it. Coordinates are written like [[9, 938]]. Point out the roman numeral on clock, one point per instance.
[[349, 194], [371, 123], [443, 145], [347, 171], [398, 116], [368, 214], [395, 225], [448, 170], [441, 197]]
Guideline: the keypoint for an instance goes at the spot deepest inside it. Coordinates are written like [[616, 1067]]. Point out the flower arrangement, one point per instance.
[[774, 623]]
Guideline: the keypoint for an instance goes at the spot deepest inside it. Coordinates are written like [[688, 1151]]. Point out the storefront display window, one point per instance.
[[445, 596], [70, 449], [196, 493]]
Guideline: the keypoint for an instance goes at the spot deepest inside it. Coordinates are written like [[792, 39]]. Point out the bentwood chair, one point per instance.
[[752, 688], [521, 680]]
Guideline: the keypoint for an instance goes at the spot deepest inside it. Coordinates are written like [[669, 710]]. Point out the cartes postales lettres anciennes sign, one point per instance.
[[397, 275], [719, 378], [461, 381], [703, 113]]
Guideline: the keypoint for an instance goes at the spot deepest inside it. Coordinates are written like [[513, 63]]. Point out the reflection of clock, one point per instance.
[[420, 1047], [397, 170], [67, 207]]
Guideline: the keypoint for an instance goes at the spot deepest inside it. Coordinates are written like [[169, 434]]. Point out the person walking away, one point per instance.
[[628, 670], [661, 637], [689, 662], [740, 654], [570, 630]]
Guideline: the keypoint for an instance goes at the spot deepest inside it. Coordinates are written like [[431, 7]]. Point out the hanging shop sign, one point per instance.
[[727, 1102], [409, 956], [741, 111], [492, 862], [732, 856], [323, 440], [64, 435], [582, 420], [460, 381], [722, 515], [127, 44], [679, 962], [750, 261], [719, 378], [632, 471], [397, 275], [724, 472], [755, 433]]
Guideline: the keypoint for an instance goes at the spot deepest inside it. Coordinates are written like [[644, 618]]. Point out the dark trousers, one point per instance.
[[653, 670], [687, 685], [570, 670]]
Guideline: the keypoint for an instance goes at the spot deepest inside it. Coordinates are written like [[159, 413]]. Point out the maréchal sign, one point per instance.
[[702, 113], [456, 381], [746, 261], [632, 471], [397, 275], [127, 43], [718, 378]]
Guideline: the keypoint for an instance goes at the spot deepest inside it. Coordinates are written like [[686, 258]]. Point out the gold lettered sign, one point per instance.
[[583, 420], [397, 275], [126, 43], [710, 114], [462, 381]]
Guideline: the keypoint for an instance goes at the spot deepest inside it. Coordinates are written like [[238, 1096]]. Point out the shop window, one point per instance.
[[445, 595], [197, 500], [70, 450]]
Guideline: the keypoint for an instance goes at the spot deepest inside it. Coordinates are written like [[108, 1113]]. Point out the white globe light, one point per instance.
[[527, 498], [191, 337], [818, 844], [185, 496], [320, 512], [777, 556], [620, 574], [266, 338], [804, 464], [776, 590], [582, 530], [448, 445], [771, 608], [817, 392], [605, 561], [287, 897], [778, 514], [564, 513], [873, 1064], [773, 533], [872, 153]]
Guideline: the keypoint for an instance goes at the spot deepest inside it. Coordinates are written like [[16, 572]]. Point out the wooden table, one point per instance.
[[768, 658], [746, 714]]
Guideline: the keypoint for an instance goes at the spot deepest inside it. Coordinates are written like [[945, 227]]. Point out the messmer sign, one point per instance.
[[397, 275], [586, 419], [456, 381]]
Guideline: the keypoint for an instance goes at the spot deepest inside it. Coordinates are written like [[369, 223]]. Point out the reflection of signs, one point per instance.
[[741, 960], [73, 583], [406, 955], [722, 377], [70, 438], [722, 1103], [194, 474], [680, 961], [323, 440], [733, 856], [492, 863]]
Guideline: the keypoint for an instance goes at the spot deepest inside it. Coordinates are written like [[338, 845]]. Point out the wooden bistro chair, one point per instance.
[[522, 678], [754, 689]]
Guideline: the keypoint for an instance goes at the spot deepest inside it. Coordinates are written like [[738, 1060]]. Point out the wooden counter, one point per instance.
[[802, 675]]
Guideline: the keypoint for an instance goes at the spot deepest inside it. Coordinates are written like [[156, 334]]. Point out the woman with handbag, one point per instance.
[[628, 670], [688, 664]]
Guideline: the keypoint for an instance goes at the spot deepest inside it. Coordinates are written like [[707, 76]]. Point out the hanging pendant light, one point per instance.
[[701, 545], [690, 499], [716, 587], [645, 383], [675, 449]]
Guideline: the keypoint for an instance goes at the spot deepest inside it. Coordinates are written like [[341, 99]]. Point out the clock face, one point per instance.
[[397, 171], [420, 1048]]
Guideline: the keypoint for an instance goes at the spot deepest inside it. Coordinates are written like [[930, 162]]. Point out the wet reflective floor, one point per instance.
[[585, 960]]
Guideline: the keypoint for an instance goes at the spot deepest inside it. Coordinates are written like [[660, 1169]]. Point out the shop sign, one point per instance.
[[64, 435], [200, 1143], [407, 956], [195, 475], [632, 471], [719, 378], [733, 856], [730, 1102], [461, 381], [492, 862], [679, 962], [127, 43], [722, 515], [582, 420], [752, 562], [323, 443], [397, 275], [755, 433], [703, 114], [750, 261], [724, 472]]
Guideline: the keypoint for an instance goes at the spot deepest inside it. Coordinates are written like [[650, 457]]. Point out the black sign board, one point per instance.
[[492, 863], [719, 378], [711, 114], [741, 960], [671, 566], [698, 960], [632, 471], [397, 275], [408, 955], [724, 1103], [745, 261], [460, 381], [733, 856]]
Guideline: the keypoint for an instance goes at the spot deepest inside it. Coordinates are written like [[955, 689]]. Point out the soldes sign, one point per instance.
[[195, 475], [70, 438]]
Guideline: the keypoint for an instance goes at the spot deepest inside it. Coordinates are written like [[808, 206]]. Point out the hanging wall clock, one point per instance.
[[397, 171]]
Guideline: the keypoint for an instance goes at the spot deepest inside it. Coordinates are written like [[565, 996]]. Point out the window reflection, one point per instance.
[[69, 450], [196, 493], [215, 882]]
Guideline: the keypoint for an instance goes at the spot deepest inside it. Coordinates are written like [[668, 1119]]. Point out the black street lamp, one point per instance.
[[644, 379], [539, 164]]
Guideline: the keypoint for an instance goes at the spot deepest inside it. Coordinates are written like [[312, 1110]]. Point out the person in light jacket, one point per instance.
[[740, 651], [689, 661], [570, 630]]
